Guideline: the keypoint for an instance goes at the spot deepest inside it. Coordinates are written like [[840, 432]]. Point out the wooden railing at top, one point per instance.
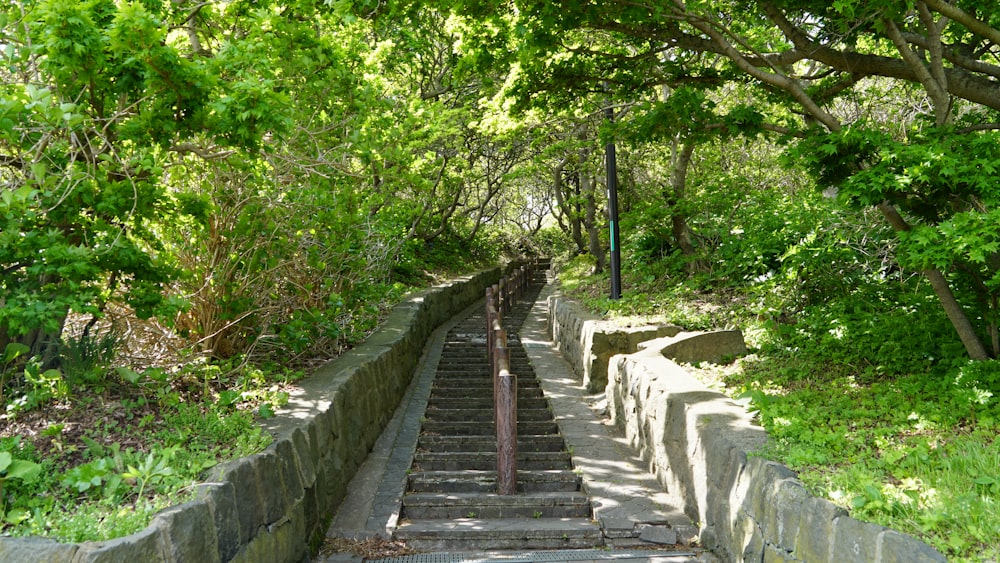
[[500, 299]]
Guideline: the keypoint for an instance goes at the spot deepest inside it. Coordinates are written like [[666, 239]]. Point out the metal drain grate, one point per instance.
[[532, 557]]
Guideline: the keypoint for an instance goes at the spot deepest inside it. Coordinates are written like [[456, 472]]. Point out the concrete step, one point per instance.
[[447, 381], [524, 428], [485, 461], [433, 506], [543, 443], [476, 359], [456, 364], [470, 534], [483, 415], [548, 480], [523, 392], [483, 370], [483, 403]]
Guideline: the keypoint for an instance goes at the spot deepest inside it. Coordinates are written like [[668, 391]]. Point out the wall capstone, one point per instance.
[[588, 342]]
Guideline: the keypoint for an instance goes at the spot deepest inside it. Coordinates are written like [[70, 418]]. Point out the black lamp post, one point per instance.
[[612, 171]]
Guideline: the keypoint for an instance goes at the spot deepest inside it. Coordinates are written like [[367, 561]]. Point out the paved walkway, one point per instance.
[[627, 499]]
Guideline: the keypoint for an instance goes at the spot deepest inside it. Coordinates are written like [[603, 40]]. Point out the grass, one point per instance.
[[109, 463], [110, 446], [866, 395]]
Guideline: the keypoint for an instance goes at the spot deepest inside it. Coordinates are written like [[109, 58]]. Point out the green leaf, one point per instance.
[[15, 516], [22, 469], [128, 375], [13, 350]]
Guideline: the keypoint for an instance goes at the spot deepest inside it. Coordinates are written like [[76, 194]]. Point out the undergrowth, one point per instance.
[[866, 393], [92, 449]]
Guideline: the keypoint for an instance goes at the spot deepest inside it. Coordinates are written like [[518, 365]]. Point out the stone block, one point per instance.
[[741, 538], [894, 547], [764, 476], [813, 541], [306, 458], [188, 533], [854, 541], [322, 428], [221, 499], [661, 535], [272, 489], [291, 535], [723, 502], [145, 545], [288, 467], [323, 495], [250, 505], [310, 509], [753, 550], [261, 548], [618, 528], [781, 520], [37, 549], [774, 554], [695, 347]]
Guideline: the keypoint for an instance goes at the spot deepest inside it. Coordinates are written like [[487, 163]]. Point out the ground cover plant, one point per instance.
[[106, 461]]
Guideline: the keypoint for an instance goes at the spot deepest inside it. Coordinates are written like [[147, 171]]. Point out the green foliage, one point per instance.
[[38, 386], [855, 371], [13, 469], [189, 439], [85, 359]]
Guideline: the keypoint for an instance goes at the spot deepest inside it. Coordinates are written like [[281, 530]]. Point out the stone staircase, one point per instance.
[[451, 501]]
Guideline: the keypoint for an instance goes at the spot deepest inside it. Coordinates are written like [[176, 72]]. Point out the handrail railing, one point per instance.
[[506, 427], [500, 299]]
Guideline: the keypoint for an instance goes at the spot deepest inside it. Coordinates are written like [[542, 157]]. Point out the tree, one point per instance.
[[94, 99], [806, 56]]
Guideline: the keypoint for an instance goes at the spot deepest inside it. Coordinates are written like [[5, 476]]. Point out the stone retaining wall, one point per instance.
[[698, 442], [275, 506], [588, 342]]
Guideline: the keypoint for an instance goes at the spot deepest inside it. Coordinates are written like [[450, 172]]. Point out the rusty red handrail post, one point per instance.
[[499, 347], [520, 282], [506, 421], [491, 312], [503, 297]]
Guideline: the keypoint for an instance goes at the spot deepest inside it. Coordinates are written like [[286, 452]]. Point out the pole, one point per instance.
[[612, 171]]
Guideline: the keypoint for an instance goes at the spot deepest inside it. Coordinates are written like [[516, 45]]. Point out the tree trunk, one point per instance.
[[678, 180], [566, 207], [959, 320], [593, 229]]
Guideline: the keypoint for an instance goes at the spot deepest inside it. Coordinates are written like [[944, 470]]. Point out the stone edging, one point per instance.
[[587, 342], [697, 443], [275, 506]]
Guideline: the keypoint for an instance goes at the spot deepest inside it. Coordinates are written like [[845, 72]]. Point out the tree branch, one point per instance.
[[971, 23]]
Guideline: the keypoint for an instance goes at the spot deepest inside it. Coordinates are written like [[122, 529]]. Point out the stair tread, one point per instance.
[[560, 455], [514, 527], [489, 474], [490, 499]]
